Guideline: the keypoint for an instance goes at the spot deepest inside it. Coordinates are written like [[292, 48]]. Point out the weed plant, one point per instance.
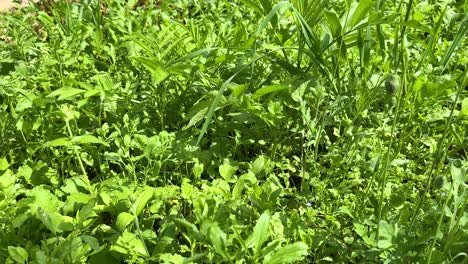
[[246, 131]]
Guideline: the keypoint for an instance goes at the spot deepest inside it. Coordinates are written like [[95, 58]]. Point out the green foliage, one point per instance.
[[249, 131]]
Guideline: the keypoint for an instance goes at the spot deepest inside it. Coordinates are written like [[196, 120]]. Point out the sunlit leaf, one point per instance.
[[142, 199], [123, 220], [289, 254], [260, 232], [18, 254]]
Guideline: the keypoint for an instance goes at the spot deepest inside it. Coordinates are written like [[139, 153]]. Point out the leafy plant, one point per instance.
[[249, 131]]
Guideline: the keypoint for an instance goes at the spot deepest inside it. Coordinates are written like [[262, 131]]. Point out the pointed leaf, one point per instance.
[[218, 239], [4, 164], [123, 220], [260, 232], [357, 13], [191, 228], [66, 93], [143, 199], [269, 89], [57, 142]]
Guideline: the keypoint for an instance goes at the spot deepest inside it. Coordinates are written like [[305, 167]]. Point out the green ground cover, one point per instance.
[[248, 131]]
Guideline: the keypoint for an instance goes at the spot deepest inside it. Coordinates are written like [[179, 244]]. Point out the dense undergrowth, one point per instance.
[[249, 131]]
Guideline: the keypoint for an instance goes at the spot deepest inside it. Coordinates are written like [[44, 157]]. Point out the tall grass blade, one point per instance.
[[456, 41]]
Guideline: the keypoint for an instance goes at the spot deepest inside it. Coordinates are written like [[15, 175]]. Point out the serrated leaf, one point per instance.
[[18, 254], [123, 220], [289, 254], [260, 232]]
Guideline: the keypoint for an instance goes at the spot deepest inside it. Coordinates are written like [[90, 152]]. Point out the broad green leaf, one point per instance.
[[87, 211], [24, 171], [357, 12], [363, 232], [241, 184], [123, 220], [57, 142], [197, 169], [54, 221], [129, 244], [74, 200], [191, 228], [4, 164], [269, 89], [217, 238], [93, 92], [24, 103], [143, 199], [91, 241], [226, 170], [105, 81], [458, 178], [258, 166], [41, 257], [385, 235], [289, 254], [66, 93], [18, 254], [44, 199], [260, 232], [270, 248], [333, 23]]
